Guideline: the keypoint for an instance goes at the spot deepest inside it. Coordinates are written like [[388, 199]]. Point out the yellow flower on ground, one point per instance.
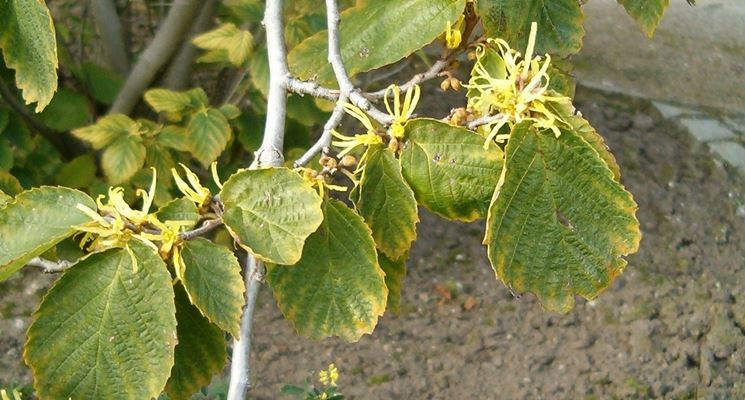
[[517, 91], [329, 376], [401, 112]]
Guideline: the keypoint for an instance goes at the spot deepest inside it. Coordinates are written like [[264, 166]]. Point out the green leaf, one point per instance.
[[560, 23], [123, 158], [106, 130], [208, 134], [230, 111], [174, 137], [68, 110], [212, 278], [181, 209], [337, 287], [200, 353], [647, 13], [395, 272], [271, 212], [583, 128], [9, 184], [104, 331], [449, 170], [560, 223], [168, 101], [102, 84], [78, 173], [37, 220], [387, 203], [375, 33], [235, 43], [161, 159], [4, 199], [30, 48], [259, 67], [6, 155]]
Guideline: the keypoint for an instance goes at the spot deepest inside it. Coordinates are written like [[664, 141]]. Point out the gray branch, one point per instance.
[[485, 120], [178, 75], [270, 152], [110, 28], [49, 267], [433, 72], [324, 142], [156, 55], [207, 227], [240, 367]]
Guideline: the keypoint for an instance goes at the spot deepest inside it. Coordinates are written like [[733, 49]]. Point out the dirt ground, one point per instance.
[[672, 326]]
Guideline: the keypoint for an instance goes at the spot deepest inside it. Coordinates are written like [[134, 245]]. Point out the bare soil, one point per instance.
[[671, 327]]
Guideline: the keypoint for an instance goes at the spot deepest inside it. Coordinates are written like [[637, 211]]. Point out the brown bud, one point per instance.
[[393, 145], [348, 161], [445, 85], [327, 162], [455, 84], [471, 55]]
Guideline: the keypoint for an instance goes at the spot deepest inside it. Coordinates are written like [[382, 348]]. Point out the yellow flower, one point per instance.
[[318, 181], [517, 91], [4, 394], [401, 112], [348, 143], [329, 376], [453, 33], [195, 192]]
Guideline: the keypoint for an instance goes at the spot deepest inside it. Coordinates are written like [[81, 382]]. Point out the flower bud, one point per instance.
[[348, 161]]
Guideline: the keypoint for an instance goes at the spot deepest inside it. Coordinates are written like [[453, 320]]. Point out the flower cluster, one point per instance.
[[513, 89], [115, 223]]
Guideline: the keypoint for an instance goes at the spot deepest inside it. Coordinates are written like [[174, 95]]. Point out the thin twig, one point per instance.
[[302, 88], [207, 226], [324, 141], [485, 120], [9, 97], [240, 367], [433, 72], [112, 34], [156, 55], [49, 267]]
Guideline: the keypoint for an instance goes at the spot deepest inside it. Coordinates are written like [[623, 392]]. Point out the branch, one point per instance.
[[270, 152], [240, 368], [157, 53], [178, 75], [324, 142], [207, 226], [49, 267], [485, 120], [110, 28], [432, 73]]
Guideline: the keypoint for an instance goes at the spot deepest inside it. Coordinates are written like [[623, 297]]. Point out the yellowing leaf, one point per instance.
[[271, 212], [104, 331], [647, 13], [337, 287], [106, 130], [4, 199], [386, 202], [208, 135], [212, 278], [123, 158], [200, 353], [30, 48], [375, 33], [395, 272], [35, 221], [560, 23], [449, 170], [560, 223], [228, 40], [169, 101]]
